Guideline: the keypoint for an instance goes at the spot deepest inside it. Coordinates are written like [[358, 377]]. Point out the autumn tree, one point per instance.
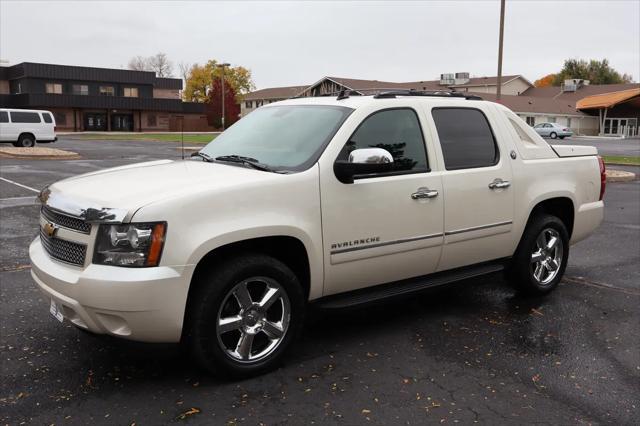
[[200, 77], [158, 63], [597, 72], [545, 81], [214, 104]]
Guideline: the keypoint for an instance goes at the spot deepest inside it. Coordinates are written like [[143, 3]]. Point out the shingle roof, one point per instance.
[[582, 92], [275, 93], [523, 103]]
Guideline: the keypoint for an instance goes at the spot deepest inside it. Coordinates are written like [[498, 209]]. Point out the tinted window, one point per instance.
[[4, 117], [396, 130], [465, 137], [25, 117], [47, 117]]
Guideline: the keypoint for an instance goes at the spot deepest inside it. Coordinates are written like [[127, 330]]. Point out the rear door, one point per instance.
[[478, 195], [5, 127]]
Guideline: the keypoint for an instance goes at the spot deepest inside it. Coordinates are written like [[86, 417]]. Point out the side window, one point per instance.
[[25, 117], [47, 117], [4, 117], [396, 130], [466, 138]]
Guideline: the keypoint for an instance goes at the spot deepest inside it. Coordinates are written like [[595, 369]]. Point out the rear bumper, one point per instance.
[[587, 219], [144, 304]]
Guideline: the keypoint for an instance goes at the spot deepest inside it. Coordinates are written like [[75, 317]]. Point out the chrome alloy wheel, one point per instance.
[[253, 319], [546, 258]]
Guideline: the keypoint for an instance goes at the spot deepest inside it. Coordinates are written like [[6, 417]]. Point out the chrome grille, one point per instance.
[[63, 250], [65, 221]]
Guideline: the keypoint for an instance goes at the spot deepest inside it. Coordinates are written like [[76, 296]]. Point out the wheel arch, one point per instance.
[[28, 134], [288, 249], [562, 207]]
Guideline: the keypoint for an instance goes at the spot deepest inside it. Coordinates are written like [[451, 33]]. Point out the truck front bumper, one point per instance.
[[143, 304]]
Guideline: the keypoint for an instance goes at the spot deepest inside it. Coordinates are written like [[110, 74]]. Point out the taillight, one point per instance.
[[603, 177], [565, 130], [55, 128]]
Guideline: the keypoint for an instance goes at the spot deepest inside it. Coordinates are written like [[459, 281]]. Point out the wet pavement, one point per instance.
[[474, 352]]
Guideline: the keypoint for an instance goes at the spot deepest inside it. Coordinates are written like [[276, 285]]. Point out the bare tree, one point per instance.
[[185, 69], [138, 63], [161, 64]]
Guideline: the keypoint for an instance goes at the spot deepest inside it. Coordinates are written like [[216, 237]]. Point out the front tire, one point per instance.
[[245, 316], [541, 257], [553, 135]]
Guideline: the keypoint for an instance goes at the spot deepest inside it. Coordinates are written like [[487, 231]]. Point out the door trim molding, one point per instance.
[[477, 228]]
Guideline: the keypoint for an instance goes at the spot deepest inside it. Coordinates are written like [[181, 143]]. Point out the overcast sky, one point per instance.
[[291, 43]]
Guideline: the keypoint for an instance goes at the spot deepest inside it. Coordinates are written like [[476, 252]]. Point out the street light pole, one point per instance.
[[222, 77], [499, 88]]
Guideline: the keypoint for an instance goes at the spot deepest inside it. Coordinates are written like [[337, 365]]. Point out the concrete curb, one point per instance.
[[620, 176], [37, 153]]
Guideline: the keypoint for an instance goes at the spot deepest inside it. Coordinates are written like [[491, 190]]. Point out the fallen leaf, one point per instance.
[[188, 413]]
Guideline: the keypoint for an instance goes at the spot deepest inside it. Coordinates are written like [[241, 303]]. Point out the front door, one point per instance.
[[478, 188], [377, 230], [95, 121], [121, 122]]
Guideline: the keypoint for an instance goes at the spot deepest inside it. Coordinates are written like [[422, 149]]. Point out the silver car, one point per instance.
[[552, 130]]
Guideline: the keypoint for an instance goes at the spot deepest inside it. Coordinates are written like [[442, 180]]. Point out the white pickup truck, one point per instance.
[[330, 201]]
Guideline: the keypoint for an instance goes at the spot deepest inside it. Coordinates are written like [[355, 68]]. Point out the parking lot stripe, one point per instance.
[[20, 185]]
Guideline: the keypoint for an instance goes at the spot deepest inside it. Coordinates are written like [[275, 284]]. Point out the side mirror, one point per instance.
[[363, 161]]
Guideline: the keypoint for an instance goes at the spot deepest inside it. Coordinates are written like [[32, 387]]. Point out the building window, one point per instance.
[[259, 103], [107, 91], [19, 88], [531, 121], [248, 104], [80, 89], [568, 121], [130, 92], [55, 88], [61, 118], [151, 120], [552, 119]]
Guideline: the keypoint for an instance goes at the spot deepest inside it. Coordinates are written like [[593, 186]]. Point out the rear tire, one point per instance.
[[25, 141], [236, 329], [541, 257], [553, 135], [562, 137]]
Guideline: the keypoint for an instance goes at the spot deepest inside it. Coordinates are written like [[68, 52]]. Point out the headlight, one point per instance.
[[133, 244]]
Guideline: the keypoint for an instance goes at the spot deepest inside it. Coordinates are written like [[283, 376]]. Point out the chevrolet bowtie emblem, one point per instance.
[[50, 229]]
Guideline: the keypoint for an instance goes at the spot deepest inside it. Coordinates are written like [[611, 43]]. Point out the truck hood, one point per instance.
[[134, 186]]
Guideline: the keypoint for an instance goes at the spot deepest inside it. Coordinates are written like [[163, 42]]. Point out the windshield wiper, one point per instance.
[[251, 162], [205, 157]]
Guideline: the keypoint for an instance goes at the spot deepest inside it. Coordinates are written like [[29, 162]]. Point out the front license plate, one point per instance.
[[56, 311]]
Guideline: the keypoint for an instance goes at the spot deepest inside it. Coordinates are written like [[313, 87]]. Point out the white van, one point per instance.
[[25, 127]]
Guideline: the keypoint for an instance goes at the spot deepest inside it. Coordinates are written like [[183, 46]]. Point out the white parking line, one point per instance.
[[20, 185]]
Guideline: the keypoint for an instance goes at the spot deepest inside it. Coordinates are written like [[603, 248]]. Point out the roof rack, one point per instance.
[[384, 93]]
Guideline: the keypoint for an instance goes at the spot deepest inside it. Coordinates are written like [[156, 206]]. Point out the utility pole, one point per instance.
[[222, 77], [499, 88]]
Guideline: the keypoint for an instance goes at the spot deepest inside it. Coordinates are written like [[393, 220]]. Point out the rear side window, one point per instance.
[[396, 130], [25, 117], [4, 117], [466, 138], [47, 117]]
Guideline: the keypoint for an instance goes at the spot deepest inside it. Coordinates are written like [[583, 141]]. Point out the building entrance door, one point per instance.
[[122, 122], [95, 121]]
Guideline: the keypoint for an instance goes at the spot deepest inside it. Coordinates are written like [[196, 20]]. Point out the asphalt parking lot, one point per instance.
[[606, 146], [473, 353]]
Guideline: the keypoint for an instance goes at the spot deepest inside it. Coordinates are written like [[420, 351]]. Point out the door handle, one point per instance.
[[499, 183], [422, 193]]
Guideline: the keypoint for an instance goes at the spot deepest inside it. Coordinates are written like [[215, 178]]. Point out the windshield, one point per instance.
[[288, 137]]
